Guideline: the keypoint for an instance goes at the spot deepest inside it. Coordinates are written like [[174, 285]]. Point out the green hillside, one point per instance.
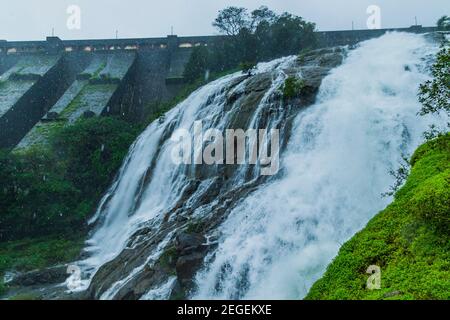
[[409, 240]]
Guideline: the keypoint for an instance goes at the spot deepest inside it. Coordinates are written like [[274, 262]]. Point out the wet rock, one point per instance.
[[392, 294], [191, 251], [185, 246], [52, 275], [187, 266], [186, 242], [330, 60], [255, 85]]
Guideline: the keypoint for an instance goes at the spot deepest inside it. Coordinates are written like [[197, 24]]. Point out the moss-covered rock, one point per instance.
[[292, 87], [409, 240]]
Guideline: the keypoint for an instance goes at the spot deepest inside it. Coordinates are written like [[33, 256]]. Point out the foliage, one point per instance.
[[443, 23], [197, 65], [400, 175], [435, 94], [250, 38], [231, 20], [292, 87], [262, 15], [51, 190], [408, 240], [290, 34], [35, 253], [26, 297], [432, 132], [95, 149], [247, 67]]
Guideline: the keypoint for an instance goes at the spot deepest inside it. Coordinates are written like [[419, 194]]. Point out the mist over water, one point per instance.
[[279, 239]]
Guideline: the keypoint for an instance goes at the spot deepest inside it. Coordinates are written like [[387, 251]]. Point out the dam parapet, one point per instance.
[[53, 82]]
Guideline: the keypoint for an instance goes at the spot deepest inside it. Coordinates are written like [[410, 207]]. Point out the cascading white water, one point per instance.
[[118, 215], [276, 242], [280, 239]]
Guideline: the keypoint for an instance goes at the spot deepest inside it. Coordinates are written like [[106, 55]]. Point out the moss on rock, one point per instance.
[[292, 87]]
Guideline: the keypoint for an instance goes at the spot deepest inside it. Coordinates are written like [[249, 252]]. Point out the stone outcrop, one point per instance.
[[187, 239]]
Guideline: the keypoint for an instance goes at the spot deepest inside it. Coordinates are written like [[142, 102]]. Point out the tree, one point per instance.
[[197, 64], [258, 36], [443, 23], [435, 94], [290, 34], [232, 20], [263, 15]]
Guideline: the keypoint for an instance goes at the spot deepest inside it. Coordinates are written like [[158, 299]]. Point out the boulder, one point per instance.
[[187, 266], [51, 275], [188, 242]]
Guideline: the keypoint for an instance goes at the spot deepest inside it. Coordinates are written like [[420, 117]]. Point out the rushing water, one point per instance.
[[279, 239]]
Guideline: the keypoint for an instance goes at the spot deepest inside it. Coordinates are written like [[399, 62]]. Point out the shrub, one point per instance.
[[247, 67], [431, 201], [52, 190], [292, 87]]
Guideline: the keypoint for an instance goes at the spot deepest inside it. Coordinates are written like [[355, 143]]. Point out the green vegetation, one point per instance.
[[168, 259], [250, 38], [435, 94], [52, 189], [2, 287], [409, 240], [247, 67], [35, 253], [443, 23], [26, 297], [197, 65], [194, 227], [96, 74], [292, 87]]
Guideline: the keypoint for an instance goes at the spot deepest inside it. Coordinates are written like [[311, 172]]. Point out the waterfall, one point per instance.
[[277, 238], [281, 238]]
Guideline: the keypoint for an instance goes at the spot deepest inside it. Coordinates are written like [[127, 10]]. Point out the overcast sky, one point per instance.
[[34, 19]]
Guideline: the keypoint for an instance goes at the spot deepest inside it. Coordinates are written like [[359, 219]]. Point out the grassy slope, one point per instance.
[[409, 240]]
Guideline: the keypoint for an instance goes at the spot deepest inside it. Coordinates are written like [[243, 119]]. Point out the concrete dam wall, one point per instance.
[[46, 84]]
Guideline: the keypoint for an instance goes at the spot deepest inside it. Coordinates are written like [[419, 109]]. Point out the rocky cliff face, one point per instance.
[[170, 250]]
